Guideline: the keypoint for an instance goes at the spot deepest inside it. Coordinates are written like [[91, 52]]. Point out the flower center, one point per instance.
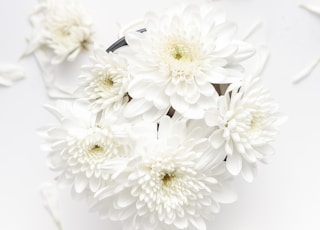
[[65, 32], [98, 144], [180, 51], [61, 26], [106, 82], [167, 178], [96, 149], [255, 123], [181, 58]]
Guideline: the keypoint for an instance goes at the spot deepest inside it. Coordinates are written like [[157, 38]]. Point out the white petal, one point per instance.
[[126, 213], [250, 155], [80, 183], [154, 114], [229, 144], [224, 194], [234, 163], [248, 171], [211, 117], [181, 223], [198, 223], [136, 107], [72, 56], [312, 8], [178, 103], [124, 200], [216, 138], [10, 73], [252, 30], [192, 98], [161, 101], [262, 55], [49, 194], [165, 127], [265, 150], [94, 183], [138, 89], [195, 111]]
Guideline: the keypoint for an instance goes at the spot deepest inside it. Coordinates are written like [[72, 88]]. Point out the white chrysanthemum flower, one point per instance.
[[10, 73], [79, 145], [64, 28], [178, 182], [245, 122], [178, 59], [105, 81]]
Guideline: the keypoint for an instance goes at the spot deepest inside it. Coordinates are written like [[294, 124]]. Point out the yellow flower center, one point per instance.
[[181, 52], [179, 49], [167, 177], [96, 149], [106, 82]]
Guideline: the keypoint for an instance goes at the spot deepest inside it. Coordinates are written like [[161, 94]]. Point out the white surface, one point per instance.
[[285, 194]]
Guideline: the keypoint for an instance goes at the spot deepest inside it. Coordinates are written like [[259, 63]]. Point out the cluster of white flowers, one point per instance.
[[166, 120]]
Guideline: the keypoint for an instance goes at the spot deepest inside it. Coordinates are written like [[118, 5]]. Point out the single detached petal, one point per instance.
[[10, 73]]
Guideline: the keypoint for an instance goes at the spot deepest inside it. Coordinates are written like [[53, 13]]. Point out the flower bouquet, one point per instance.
[[168, 116]]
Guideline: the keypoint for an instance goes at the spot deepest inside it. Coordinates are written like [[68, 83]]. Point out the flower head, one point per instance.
[[78, 146], [245, 122], [62, 28], [176, 183], [178, 59], [105, 81]]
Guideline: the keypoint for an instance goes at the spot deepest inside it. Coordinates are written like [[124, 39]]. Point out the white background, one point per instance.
[[284, 195]]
